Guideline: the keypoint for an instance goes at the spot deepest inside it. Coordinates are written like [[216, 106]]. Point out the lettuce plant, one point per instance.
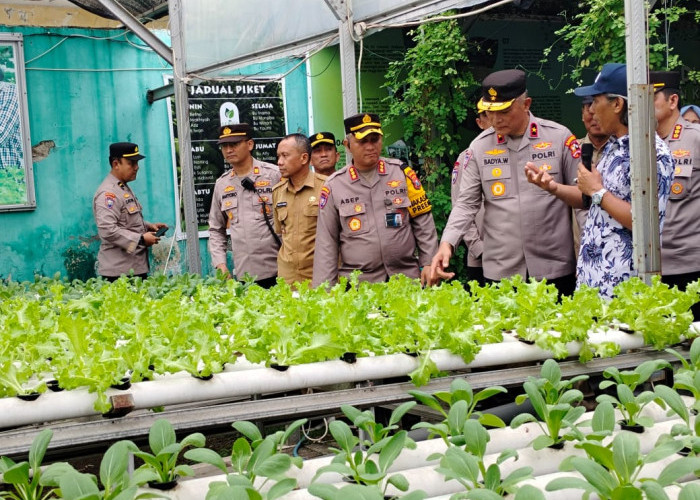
[[367, 462], [625, 383], [553, 401], [461, 402], [161, 466], [252, 457], [613, 472]]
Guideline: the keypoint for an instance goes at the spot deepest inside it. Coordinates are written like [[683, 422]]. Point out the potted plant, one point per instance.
[[613, 472], [160, 467], [466, 465], [553, 401], [461, 406], [252, 457], [28, 481], [626, 402], [367, 461], [114, 478]]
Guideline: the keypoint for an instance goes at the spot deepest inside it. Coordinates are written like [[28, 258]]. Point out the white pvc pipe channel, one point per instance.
[[419, 471], [174, 390]]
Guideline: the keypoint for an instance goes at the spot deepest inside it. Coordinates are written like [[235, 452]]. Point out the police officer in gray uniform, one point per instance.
[[525, 231], [680, 239], [124, 236], [242, 206], [373, 213]]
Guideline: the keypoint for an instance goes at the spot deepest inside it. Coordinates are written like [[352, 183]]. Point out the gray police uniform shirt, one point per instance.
[[472, 238], [680, 239], [368, 225], [526, 230], [120, 226], [240, 212]]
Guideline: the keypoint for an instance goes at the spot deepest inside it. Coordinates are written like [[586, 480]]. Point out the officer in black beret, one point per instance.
[[242, 204], [324, 153], [124, 235], [680, 238], [374, 214], [524, 232]]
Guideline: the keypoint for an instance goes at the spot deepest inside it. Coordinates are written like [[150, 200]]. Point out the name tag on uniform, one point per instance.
[[282, 204], [393, 219]]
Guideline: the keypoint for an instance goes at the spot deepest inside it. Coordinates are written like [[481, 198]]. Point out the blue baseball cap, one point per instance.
[[612, 79]]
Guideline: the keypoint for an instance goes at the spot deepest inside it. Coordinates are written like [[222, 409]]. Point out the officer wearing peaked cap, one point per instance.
[[680, 237], [524, 232], [124, 235], [374, 214], [324, 153], [241, 206]]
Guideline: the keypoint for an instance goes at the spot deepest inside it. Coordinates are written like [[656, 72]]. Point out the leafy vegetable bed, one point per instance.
[[91, 334]]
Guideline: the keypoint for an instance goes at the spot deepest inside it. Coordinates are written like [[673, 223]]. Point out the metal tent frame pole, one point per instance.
[[642, 132], [182, 112]]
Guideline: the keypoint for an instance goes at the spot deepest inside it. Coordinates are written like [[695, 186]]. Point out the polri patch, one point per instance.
[[325, 192]]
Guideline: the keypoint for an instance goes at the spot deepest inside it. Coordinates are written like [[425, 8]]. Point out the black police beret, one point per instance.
[[665, 80], [363, 124], [235, 133], [500, 89], [125, 150], [322, 138]]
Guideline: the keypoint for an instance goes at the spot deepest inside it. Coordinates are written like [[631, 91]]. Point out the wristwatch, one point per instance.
[[597, 197]]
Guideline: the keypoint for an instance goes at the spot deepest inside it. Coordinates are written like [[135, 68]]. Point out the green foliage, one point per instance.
[[161, 466], [91, 334], [429, 92], [461, 402], [595, 35], [26, 479], [79, 260], [612, 472], [366, 462], [252, 457], [552, 399], [625, 383]]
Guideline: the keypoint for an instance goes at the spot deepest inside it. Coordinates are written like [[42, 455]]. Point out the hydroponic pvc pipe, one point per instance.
[[174, 390]]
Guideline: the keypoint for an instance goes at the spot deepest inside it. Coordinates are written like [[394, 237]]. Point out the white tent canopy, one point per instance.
[[219, 36]]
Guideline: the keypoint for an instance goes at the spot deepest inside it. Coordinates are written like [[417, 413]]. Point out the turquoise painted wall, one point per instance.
[[85, 89]]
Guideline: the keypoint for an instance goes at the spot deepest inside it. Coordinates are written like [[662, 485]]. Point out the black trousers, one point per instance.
[[682, 281], [565, 284], [115, 278]]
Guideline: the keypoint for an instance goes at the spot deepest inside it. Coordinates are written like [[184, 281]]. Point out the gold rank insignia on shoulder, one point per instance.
[[256, 170], [534, 131], [382, 167], [352, 172], [676, 132]]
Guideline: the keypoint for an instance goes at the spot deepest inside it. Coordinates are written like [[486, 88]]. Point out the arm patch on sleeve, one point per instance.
[[416, 194], [574, 148]]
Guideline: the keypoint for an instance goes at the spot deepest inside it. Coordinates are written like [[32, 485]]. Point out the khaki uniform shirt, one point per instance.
[[240, 213], [120, 226], [352, 221], [296, 213], [472, 238], [680, 238], [527, 231]]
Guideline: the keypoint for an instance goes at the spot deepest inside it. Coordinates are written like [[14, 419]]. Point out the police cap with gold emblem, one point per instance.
[[127, 150], [665, 80], [501, 88], [235, 133], [362, 125], [321, 138]]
